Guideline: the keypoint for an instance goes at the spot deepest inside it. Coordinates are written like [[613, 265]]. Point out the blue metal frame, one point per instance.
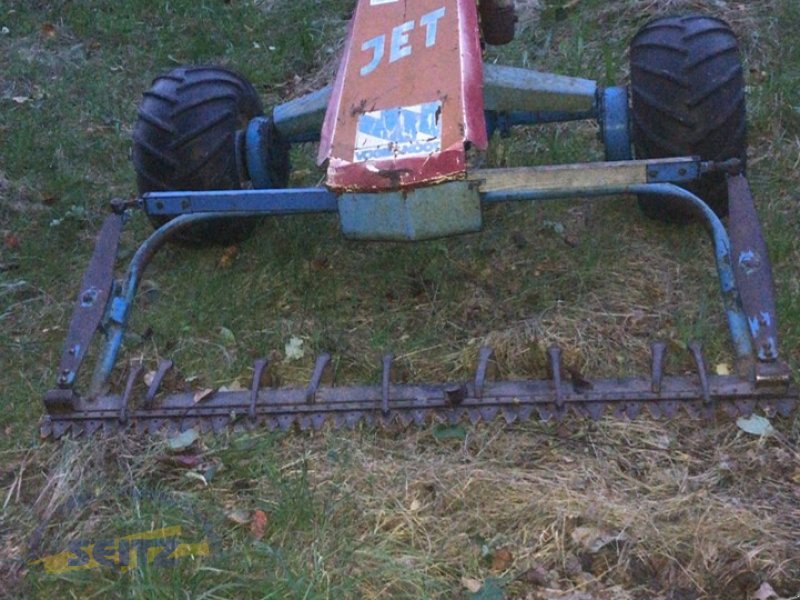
[[615, 123], [259, 203]]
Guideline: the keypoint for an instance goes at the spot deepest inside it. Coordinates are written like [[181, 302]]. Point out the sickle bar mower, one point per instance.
[[401, 132]]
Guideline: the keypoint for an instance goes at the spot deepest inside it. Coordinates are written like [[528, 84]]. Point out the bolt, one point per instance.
[[682, 171], [184, 204], [73, 350], [652, 173], [159, 205]]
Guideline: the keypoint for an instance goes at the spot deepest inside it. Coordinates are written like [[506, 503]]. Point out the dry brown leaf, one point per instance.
[[258, 524], [48, 30], [228, 256], [502, 559], [11, 241]]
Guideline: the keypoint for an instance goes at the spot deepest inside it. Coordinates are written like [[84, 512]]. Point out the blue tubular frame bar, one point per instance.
[[315, 200]]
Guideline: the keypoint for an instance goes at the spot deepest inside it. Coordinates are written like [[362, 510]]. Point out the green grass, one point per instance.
[[594, 276]]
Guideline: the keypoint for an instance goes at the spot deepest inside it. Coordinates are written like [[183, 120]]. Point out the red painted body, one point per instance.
[[408, 96]]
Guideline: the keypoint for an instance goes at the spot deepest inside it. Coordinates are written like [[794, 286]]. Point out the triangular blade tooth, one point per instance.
[[285, 422], [271, 423], [786, 407], [304, 422], [205, 425], [633, 410], [46, 427], [109, 426], [510, 414], [173, 427], [524, 412], [92, 427], [77, 429], [318, 421], [655, 410], [59, 429], [545, 411], [474, 415], [595, 410], [745, 407], [489, 413], [339, 421], [239, 427], [351, 419], [217, 424], [455, 415]]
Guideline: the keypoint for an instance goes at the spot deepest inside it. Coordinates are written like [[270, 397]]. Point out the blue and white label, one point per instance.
[[403, 131]]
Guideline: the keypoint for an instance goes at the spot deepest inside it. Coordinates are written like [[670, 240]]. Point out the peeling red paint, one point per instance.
[[407, 68]]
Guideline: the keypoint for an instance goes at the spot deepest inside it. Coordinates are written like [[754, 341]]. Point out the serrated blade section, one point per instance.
[[407, 404]]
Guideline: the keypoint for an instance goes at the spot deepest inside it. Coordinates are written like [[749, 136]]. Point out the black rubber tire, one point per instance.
[[186, 139], [687, 95]]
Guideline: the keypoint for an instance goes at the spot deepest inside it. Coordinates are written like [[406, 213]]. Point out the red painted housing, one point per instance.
[[407, 97]]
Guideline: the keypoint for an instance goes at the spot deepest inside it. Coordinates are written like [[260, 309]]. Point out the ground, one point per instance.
[[578, 510]]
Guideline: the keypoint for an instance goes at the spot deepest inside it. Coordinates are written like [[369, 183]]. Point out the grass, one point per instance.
[[696, 510]]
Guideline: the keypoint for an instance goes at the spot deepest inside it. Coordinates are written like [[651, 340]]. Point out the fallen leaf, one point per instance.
[[48, 30], [201, 395], [238, 516], [233, 386], [11, 241], [755, 425], [765, 592], [21, 99], [227, 336], [294, 349], [258, 523], [197, 476], [320, 263], [228, 256], [593, 540], [472, 585], [537, 575], [183, 440], [723, 369], [415, 505], [149, 377], [501, 559]]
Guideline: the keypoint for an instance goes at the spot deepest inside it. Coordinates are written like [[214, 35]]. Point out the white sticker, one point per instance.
[[403, 131]]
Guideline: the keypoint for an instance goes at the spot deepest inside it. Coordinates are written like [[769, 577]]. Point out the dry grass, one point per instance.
[[572, 511]]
